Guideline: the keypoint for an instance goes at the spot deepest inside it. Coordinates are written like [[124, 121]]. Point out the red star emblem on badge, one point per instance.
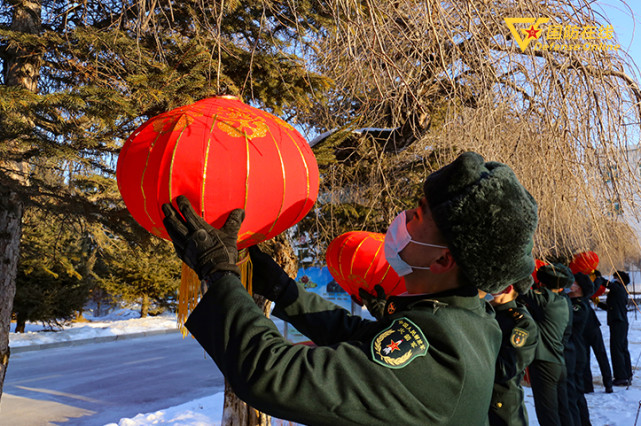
[[532, 32], [394, 346]]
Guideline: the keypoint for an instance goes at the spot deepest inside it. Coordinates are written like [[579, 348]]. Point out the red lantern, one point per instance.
[[585, 262], [537, 264], [222, 154], [599, 292], [357, 260]]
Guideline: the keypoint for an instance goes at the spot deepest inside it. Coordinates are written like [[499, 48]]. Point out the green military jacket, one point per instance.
[[551, 313], [430, 361], [518, 347]]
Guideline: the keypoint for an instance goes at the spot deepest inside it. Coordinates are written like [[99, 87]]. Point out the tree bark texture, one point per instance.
[[144, 306], [11, 208], [235, 411], [21, 68]]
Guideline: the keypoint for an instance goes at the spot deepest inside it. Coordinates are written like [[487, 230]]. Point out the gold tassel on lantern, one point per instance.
[[246, 270], [188, 296], [189, 293]]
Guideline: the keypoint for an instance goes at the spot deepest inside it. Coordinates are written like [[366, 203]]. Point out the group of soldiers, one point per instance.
[[438, 354], [551, 328]]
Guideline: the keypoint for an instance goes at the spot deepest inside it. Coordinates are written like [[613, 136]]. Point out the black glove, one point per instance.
[[375, 304], [268, 278], [202, 247]]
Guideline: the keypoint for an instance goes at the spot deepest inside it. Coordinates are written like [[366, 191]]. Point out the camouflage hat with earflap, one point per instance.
[[487, 219], [555, 276]]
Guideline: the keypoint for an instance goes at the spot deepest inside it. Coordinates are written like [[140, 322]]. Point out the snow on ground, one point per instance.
[[617, 409], [120, 321]]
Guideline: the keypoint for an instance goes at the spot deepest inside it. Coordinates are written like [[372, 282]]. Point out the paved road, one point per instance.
[[100, 383]]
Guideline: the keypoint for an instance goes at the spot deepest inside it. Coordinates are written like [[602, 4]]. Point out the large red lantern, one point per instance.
[[357, 260], [585, 262], [222, 154]]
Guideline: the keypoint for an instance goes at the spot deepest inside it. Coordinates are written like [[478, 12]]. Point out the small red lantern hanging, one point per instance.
[[357, 260], [585, 262], [221, 154], [599, 292]]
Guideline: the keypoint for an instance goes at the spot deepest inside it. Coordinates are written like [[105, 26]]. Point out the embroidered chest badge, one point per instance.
[[399, 344], [518, 337]]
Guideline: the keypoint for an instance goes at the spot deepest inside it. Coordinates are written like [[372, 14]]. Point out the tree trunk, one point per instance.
[[21, 322], [235, 411], [144, 308], [21, 68], [10, 231]]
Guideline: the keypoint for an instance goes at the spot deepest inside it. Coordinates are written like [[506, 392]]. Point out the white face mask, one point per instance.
[[396, 239]]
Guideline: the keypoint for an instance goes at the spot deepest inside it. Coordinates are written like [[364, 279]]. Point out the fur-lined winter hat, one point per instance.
[[523, 285], [622, 277], [555, 276], [586, 284], [487, 219]]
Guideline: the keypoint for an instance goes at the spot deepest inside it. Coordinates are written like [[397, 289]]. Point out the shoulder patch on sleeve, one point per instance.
[[399, 344], [518, 337]]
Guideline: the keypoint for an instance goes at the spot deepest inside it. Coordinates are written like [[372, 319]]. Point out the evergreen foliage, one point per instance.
[[104, 68], [148, 275], [108, 66], [49, 288]]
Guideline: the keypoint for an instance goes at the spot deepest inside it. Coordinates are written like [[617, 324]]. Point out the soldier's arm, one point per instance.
[[506, 364], [321, 385], [319, 319], [525, 353], [534, 301], [518, 352]]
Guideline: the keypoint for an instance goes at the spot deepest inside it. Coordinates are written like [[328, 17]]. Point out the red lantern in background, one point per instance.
[[222, 154], [357, 260], [599, 292], [585, 262], [537, 264]]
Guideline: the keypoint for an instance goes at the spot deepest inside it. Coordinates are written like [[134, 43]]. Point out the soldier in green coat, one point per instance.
[[430, 360], [520, 337], [579, 294], [547, 372]]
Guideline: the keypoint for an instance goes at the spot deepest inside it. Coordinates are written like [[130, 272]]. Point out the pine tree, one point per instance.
[[79, 78], [49, 288], [142, 274]]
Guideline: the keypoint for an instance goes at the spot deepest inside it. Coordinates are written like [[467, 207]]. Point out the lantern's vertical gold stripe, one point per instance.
[[173, 157], [400, 280], [373, 260], [142, 179], [306, 172], [340, 258], [386, 271], [282, 167], [247, 176], [202, 190], [358, 247]]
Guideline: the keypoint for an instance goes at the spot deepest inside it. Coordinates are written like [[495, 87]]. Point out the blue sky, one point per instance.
[[626, 21]]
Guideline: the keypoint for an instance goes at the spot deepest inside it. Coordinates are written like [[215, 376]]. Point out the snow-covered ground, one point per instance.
[[118, 322], [619, 408]]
